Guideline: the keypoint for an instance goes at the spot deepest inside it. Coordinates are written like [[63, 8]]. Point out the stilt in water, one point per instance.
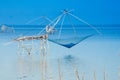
[[76, 73], [59, 70], [21, 68], [50, 75], [43, 61], [95, 75], [119, 74], [104, 75], [83, 75]]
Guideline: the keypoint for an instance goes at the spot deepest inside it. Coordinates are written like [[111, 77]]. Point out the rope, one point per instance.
[[72, 26], [56, 19], [86, 23], [46, 18], [33, 20], [61, 27]]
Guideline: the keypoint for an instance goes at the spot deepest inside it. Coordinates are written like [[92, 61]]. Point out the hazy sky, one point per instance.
[[93, 11]]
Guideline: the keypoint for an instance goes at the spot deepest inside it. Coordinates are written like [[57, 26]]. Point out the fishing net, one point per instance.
[[69, 30], [70, 42]]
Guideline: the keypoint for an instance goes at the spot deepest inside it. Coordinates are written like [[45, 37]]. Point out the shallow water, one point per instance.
[[96, 54]]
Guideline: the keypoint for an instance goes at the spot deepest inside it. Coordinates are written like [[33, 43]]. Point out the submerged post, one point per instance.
[[43, 61], [77, 75], [83, 76], [119, 73], [59, 70], [95, 75], [104, 75]]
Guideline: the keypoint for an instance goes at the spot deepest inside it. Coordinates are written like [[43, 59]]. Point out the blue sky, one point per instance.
[[93, 11]]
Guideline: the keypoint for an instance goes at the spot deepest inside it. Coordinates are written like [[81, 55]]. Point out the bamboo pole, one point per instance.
[[104, 75], [119, 73], [45, 56], [41, 58], [50, 73], [18, 50], [22, 68], [43, 61], [83, 75], [48, 63], [95, 75], [59, 70], [76, 73]]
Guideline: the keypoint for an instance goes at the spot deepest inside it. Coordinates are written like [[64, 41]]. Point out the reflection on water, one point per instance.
[[91, 58]]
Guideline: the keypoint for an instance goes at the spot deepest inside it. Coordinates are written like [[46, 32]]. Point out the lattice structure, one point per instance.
[[29, 49]]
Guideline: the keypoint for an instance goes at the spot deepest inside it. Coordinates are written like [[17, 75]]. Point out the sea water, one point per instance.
[[99, 54]]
